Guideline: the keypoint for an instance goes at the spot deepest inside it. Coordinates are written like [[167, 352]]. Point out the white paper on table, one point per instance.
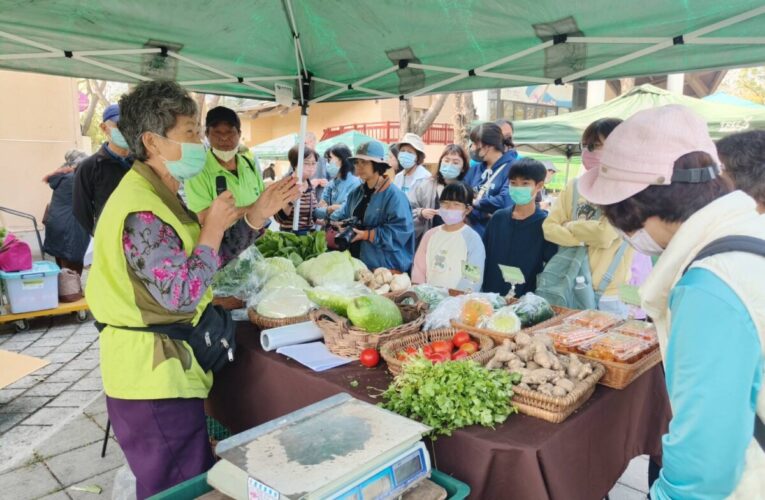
[[299, 333], [314, 355]]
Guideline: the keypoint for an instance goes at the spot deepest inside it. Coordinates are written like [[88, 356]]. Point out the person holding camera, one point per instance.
[[377, 213]]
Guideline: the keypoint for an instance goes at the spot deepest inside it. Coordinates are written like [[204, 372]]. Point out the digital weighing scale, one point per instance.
[[340, 448]]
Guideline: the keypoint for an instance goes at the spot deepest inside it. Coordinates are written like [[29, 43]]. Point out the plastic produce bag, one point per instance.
[[451, 307], [504, 321], [532, 310], [330, 267], [280, 303], [431, 295], [237, 278]]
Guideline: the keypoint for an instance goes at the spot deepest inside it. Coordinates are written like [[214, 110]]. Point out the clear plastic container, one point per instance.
[[637, 328], [617, 347], [32, 290], [597, 320], [569, 337]]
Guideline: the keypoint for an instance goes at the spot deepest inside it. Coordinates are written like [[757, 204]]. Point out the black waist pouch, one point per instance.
[[213, 339]]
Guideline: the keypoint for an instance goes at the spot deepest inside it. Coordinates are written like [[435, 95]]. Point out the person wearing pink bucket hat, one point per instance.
[[659, 183]]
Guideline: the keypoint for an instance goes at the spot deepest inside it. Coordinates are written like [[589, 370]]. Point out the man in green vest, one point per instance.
[[241, 173]]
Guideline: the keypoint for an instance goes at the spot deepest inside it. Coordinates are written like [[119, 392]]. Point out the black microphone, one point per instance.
[[220, 185]]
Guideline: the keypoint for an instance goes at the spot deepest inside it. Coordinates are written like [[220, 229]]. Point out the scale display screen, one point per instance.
[[393, 479], [406, 470]]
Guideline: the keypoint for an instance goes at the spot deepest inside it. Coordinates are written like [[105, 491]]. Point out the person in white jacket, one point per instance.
[[411, 156], [660, 184]]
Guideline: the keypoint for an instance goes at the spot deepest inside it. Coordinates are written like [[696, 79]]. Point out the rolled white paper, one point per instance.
[[299, 333]]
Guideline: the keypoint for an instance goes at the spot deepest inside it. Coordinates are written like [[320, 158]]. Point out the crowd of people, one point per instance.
[[654, 185]]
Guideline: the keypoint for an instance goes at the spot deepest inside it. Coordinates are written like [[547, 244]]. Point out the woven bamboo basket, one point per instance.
[[264, 322], [620, 375], [343, 339], [557, 409], [229, 303], [561, 313], [390, 349]]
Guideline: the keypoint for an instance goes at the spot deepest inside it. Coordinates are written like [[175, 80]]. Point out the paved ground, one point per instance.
[[52, 422]]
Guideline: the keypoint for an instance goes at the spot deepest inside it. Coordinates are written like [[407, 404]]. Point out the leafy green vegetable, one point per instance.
[[291, 246], [235, 279], [451, 395], [532, 310]]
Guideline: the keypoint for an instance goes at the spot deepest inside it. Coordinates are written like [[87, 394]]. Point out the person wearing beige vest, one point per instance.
[[660, 185]]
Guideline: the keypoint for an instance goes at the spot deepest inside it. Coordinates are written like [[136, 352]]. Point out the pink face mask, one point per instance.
[[591, 159]]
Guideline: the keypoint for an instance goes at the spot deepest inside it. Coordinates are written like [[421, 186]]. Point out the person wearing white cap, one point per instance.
[[659, 183], [411, 156]]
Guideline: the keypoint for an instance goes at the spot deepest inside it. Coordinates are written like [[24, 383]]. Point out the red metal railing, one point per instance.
[[388, 132]]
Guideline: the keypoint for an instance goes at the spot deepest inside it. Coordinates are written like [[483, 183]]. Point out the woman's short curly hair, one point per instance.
[[152, 107]]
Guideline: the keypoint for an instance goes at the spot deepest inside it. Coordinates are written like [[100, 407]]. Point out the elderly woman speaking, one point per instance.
[[152, 269]]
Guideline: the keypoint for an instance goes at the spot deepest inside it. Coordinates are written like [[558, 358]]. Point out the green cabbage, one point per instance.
[[374, 313], [337, 297], [328, 268]]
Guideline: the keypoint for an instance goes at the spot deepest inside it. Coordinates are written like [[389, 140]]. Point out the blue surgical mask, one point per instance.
[[521, 195], [449, 171], [332, 168], [118, 139], [407, 160], [192, 160], [475, 155]]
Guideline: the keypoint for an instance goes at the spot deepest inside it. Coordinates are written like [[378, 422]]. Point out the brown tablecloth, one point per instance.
[[525, 458]]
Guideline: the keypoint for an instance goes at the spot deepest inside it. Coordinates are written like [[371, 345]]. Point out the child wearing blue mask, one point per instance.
[[514, 235], [452, 254], [452, 167]]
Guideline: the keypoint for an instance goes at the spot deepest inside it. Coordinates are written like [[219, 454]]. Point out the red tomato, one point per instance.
[[460, 338], [427, 350], [410, 350], [470, 347], [439, 357], [402, 356], [443, 346], [460, 354], [369, 358]]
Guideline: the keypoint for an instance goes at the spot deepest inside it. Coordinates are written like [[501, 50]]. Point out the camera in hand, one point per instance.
[[344, 237]]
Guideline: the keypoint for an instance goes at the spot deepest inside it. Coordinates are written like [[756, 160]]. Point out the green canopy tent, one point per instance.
[[560, 135], [275, 149], [561, 130], [308, 51], [353, 139]]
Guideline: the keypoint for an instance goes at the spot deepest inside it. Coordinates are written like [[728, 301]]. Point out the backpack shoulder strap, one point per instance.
[[727, 244], [609, 276], [574, 198]]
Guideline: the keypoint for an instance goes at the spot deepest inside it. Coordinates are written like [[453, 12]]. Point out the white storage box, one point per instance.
[[32, 290]]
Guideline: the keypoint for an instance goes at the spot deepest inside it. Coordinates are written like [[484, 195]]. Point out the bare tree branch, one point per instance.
[[427, 119], [465, 115]]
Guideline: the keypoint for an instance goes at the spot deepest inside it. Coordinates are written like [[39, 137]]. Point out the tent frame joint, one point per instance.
[[678, 40], [68, 54], [559, 39]]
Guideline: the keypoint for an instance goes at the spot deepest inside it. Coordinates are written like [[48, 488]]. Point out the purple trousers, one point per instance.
[[165, 441]]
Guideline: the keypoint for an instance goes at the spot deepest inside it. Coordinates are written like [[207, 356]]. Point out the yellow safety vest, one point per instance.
[[138, 365]]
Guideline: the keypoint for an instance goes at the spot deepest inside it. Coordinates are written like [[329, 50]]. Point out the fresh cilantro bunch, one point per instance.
[[448, 396]]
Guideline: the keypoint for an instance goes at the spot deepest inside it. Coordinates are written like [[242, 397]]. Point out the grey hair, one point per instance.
[[152, 107]]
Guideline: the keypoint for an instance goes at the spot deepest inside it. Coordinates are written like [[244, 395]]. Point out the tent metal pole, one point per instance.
[[270, 78], [31, 43], [209, 82], [754, 40], [520, 78], [517, 55], [442, 83], [109, 67], [301, 153]]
